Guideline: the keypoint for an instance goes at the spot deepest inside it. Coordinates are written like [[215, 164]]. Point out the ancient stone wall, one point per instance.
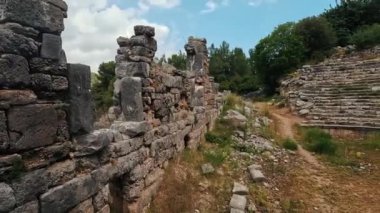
[[51, 159], [342, 92]]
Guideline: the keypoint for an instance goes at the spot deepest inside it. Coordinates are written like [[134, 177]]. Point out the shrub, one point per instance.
[[366, 37], [317, 34], [216, 157], [319, 142], [217, 139], [290, 144]]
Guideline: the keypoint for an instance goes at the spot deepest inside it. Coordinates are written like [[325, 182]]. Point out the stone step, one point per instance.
[[330, 126]]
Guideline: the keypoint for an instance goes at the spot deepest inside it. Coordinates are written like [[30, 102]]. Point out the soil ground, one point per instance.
[[298, 182]]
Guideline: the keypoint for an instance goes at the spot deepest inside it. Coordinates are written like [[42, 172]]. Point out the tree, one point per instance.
[[178, 60], [102, 88], [317, 34], [277, 54], [349, 15]]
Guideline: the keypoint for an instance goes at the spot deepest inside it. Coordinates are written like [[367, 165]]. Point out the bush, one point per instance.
[[290, 144], [217, 139], [277, 54], [319, 142], [317, 34], [366, 37], [216, 157]]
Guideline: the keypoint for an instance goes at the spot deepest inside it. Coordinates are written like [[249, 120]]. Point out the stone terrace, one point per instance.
[[338, 93]]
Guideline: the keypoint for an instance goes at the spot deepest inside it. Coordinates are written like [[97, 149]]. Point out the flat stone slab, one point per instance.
[[207, 168], [240, 189], [238, 202], [233, 210], [256, 175]]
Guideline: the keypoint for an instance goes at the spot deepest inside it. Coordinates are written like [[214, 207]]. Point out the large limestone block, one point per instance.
[[131, 99], [132, 69], [32, 126], [51, 47], [17, 97], [13, 43], [7, 198], [14, 71], [81, 105], [64, 197], [31, 207], [39, 14], [4, 137], [144, 30], [47, 66], [92, 143], [238, 202], [141, 40], [84, 207]]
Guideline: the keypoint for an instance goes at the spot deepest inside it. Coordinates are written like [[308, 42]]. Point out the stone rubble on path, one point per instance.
[[238, 200]]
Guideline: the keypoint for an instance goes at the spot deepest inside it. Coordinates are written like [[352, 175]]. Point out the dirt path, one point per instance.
[[320, 187]]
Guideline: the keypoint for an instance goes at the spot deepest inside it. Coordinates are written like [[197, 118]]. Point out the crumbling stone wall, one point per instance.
[[340, 93], [51, 159]]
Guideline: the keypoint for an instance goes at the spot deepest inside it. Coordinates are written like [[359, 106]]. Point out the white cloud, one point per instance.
[[94, 25], [256, 3], [161, 3], [210, 6]]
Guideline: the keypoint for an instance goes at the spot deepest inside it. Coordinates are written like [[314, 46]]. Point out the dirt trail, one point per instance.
[[321, 187]]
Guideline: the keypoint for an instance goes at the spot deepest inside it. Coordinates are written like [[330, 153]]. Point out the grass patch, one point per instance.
[[289, 144], [216, 156], [372, 141], [319, 142], [222, 140]]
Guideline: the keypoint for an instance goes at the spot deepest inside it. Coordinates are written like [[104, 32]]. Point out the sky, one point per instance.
[[93, 26]]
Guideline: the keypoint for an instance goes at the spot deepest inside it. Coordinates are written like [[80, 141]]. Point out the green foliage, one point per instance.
[[222, 140], [350, 15], [216, 157], [319, 142], [317, 35], [102, 87], [366, 37], [278, 54], [178, 60], [372, 141], [289, 144], [232, 69]]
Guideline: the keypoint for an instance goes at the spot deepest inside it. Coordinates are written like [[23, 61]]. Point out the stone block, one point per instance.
[[59, 83], [105, 209], [81, 104], [101, 198], [31, 207], [41, 81], [207, 169], [17, 97], [240, 189], [132, 129], [131, 99], [22, 30], [84, 207], [144, 30], [66, 196], [29, 186], [144, 41], [32, 126], [58, 3], [13, 43], [7, 198], [125, 147], [47, 66], [51, 46], [44, 15], [93, 142], [14, 71], [238, 202], [256, 175], [4, 137], [132, 69]]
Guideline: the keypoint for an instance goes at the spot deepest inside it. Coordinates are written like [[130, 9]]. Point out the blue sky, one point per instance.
[[242, 23]]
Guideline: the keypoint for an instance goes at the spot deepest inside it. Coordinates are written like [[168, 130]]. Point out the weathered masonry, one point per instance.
[[340, 93], [51, 158]]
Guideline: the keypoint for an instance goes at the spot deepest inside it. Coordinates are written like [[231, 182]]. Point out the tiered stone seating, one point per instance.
[[343, 93]]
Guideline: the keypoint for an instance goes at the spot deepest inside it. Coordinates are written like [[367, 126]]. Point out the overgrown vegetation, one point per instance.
[[102, 86], [319, 141], [289, 144], [366, 36], [178, 60]]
